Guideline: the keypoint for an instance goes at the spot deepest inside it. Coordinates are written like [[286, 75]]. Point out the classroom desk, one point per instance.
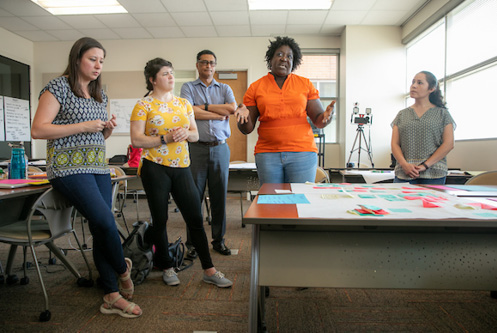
[[289, 251], [384, 176]]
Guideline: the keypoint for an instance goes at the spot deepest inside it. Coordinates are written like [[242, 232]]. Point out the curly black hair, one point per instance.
[[276, 44]]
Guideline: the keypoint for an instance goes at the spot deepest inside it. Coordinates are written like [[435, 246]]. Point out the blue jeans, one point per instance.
[[158, 181], [286, 167], [420, 181], [91, 194], [211, 165]]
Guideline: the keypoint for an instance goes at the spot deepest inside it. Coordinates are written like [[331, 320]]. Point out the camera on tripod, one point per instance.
[[358, 118]]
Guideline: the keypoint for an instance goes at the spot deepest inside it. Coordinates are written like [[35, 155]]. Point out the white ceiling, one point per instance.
[[149, 19]]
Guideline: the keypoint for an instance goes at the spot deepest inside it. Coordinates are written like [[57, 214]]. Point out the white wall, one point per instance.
[[374, 77]]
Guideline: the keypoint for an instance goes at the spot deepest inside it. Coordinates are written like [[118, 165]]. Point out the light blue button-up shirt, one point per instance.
[[197, 93]]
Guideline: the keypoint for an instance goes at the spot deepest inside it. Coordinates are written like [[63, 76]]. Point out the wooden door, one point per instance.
[[238, 141]]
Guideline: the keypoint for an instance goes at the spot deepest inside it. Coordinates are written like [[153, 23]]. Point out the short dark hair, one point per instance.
[[436, 97], [201, 53], [72, 70], [279, 42], [152, 68]]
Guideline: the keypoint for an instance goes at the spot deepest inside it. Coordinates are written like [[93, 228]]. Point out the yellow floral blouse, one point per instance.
[[160, 119]]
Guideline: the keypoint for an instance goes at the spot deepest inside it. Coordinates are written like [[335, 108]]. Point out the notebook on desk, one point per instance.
[[15, 183]]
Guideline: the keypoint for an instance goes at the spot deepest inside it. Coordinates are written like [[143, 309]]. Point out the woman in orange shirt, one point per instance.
[[285, 151]]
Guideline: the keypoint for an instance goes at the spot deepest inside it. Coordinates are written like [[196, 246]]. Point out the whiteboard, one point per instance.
[[17, 122], [122, 108]]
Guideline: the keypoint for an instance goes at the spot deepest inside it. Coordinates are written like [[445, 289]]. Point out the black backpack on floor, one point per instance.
[[139, 251]]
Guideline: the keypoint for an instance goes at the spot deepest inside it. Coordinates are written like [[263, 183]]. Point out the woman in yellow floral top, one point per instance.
[[163, 124]]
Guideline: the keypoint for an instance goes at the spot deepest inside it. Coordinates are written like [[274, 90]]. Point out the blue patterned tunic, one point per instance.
[[78, 153], [421, 137]]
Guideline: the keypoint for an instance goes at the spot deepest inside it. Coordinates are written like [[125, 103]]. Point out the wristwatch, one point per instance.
[[163, 140], [206, 106]]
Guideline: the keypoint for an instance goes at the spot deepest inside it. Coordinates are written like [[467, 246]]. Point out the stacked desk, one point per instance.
[[291, 247]]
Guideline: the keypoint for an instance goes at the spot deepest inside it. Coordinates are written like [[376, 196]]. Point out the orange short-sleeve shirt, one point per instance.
[[282, 114]]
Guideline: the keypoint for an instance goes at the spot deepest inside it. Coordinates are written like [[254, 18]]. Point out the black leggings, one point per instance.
[[158, 181]]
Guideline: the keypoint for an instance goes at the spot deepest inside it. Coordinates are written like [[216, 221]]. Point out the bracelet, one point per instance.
[[163, 140], [206, 107], [424, 164]]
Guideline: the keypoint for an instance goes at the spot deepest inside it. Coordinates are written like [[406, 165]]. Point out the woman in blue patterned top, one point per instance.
[[423, 134], [72, 117]]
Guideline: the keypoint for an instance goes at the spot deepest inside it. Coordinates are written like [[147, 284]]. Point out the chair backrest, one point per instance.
[[57, 211], [486, 178], [321, 176]]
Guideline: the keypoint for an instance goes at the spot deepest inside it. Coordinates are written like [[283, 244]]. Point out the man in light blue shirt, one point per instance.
[[213, 102]]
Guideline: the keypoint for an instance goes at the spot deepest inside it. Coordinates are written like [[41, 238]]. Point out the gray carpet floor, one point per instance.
[[194, 306]]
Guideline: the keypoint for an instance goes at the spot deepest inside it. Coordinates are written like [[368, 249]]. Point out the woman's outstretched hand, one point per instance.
[[328, 113]]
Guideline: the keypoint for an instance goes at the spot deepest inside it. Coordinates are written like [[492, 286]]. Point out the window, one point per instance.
[[321, 68], [466, 66]]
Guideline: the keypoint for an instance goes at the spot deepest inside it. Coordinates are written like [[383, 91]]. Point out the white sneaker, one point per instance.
[[218, 279], [170, 277]]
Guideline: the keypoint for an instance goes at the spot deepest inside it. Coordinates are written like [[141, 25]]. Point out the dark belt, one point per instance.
[[211, 143]]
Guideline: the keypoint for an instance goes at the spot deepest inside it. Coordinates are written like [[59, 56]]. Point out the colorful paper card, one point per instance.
[[291, 199]]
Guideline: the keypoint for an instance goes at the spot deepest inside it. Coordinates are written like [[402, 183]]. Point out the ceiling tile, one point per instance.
[[37, 36], [155, 20], [82, 21], [143, 6], [228, 5], [5, 13], [46, 22], [174, 6], [132, 33], [16, 24], [68, 34], [229, 18], [100, 33], [345, 17], [268, 29], [118, 20], [384, 17], [23, 8], [166, 32], [200, 31], [406, 5], [353, 4], [193, 19], [303, 29], [234, 31], [307, 16], [272, 17]]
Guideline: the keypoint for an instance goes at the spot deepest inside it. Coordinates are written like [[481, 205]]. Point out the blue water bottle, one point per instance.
[[18, 164]]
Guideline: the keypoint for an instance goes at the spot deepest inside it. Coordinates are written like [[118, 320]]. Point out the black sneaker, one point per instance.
[[191, 253], [222, 249]]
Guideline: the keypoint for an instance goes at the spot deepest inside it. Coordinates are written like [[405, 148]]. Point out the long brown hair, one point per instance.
[[72, 71]]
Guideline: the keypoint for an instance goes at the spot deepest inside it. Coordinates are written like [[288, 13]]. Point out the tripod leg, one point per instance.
[[368, 150], [352, 150]]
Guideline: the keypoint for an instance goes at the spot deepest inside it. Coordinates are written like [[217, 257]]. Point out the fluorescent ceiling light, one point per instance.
[[288, 4], [76, 7]]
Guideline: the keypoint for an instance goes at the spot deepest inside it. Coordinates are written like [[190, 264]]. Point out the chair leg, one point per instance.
[[241, 208], [11, 279], [45, 315], [56, 251]]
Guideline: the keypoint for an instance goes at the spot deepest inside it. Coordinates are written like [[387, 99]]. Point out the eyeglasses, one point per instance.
[[205, 63]]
